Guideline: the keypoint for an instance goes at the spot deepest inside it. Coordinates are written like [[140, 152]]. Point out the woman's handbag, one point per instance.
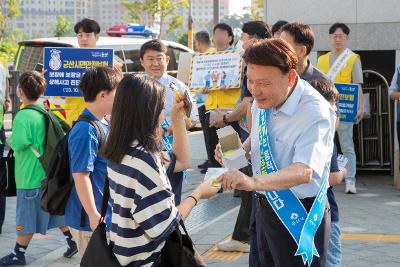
[[179, 250], [98, 252]]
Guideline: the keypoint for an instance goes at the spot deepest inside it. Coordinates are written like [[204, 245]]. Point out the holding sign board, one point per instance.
[[216, 70], [348, 101], [65, 67]]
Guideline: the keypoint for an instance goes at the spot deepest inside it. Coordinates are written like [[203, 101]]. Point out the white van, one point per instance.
[[126, 51]]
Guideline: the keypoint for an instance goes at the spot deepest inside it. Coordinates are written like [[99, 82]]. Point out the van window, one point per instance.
[[176, 52], [31, 54], [172, 65], [132, 61], [27, 57]]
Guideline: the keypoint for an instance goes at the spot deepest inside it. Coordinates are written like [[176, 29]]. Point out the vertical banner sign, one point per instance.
[[216, 70], [348, 101], [65, 67]]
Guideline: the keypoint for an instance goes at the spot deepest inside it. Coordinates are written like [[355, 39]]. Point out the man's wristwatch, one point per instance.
[[225, 120]]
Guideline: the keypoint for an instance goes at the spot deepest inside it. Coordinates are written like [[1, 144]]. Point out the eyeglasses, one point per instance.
[[153, 60], [338, 36]]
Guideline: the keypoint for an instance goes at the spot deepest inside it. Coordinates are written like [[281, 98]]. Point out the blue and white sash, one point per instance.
[[168, 140], [301, 226]]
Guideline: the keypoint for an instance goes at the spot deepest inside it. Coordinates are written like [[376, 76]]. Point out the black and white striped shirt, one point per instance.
[[144, 212]]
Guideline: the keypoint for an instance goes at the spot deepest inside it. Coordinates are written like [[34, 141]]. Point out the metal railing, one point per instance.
[[373, 136]]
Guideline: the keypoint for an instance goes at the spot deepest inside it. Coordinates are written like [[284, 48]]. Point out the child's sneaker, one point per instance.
[[12, 259]]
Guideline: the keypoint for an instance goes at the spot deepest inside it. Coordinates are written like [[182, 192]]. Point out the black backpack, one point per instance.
[[55, 131], [57, 186]]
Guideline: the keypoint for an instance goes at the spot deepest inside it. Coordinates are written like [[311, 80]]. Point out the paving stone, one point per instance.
[[369, 213]]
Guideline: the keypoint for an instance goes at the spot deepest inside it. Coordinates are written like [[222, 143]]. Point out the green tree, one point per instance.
[[9, 45], [183, 38], [254, 11], [8, 10], [63, 27], [167, 10], [139, 10], [7, 52], [156, 12]]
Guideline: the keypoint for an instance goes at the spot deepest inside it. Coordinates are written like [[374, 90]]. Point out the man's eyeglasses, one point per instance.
[[338, 36]]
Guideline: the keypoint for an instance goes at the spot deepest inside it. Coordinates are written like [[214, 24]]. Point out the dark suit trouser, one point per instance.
[[213, 138], [276, 246], [254, 258], [241, 231], [242, 225], [204, 127]]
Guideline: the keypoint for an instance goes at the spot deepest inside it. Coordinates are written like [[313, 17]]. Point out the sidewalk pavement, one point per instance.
[[370, 223]]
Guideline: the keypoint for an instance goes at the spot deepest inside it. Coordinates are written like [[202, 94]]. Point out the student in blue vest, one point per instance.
[[291, 144], [88, 168]]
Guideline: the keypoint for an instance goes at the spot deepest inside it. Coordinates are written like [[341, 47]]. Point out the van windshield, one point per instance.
[[29, 55]]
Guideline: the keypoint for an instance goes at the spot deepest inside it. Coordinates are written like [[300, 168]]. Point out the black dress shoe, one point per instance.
[[204, 165]]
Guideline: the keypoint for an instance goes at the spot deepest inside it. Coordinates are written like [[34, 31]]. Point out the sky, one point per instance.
[[236, 6]]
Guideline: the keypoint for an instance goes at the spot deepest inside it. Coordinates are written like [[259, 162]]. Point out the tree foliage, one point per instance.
[[256, 10], [8, 10], [9, 45], [183, 39], [63, 27], [8, 37], [141, 10], [155, 12]]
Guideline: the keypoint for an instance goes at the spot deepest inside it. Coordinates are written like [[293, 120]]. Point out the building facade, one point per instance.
[[39, 17], [375, 36], [374, 24], [202, 13]]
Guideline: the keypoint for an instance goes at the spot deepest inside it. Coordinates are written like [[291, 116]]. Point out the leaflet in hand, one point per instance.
[[212, 174]]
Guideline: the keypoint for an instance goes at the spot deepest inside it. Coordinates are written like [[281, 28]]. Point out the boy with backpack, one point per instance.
[[89, 170], [336, 176], [29, 137]]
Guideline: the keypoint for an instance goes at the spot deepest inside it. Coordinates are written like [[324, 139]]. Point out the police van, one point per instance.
[[126, 51]]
